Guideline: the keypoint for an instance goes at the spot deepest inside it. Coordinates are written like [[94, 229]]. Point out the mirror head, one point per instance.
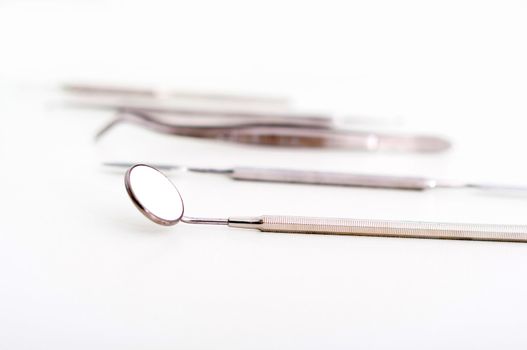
[[154, 195]]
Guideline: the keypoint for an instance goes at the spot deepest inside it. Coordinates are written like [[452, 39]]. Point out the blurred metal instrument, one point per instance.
[[202, 105], [285, 133], [329, 178], [128, 94], [254, 120], [194, 108]]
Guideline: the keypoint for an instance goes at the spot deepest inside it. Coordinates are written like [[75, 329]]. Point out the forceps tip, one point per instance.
[[117, 119]]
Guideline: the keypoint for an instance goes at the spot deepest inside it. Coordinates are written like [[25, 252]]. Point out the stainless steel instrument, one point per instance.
[[287, 134], [146, 95], [331, 178], [256, 120], [159, 200]]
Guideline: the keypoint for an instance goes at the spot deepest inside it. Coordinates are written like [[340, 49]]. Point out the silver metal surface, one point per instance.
[[205, 221], [142, 92], [346, 226], [332, 178], [383, 228], [145, 211], [286, 135], [170, 167], [159, 220]]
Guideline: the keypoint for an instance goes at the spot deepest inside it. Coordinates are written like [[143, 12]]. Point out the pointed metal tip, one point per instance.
[[165, 167], [106, 128]]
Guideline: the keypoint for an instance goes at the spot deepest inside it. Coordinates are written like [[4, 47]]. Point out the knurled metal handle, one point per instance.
[[384, 228], [332, 178]]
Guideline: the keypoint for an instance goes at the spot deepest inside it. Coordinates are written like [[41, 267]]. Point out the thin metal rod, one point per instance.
[[286, 118], [204, 221], [133, 92], [172, 167], [128, 165]]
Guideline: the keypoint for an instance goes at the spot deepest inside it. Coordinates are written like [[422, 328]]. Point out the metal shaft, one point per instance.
[[141, 92], [307, 176], [383, 228], [333, 178]]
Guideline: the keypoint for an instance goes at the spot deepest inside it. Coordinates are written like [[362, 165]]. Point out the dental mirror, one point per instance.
[[154, 195], [159, 200]]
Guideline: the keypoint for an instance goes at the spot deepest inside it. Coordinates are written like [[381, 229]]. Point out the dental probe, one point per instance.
[[330, 178]]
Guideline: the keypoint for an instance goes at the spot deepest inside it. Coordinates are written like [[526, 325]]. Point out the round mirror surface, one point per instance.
[[154, 195]]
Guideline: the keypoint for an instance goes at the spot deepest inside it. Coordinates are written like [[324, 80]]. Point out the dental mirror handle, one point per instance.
[[332, 178], [382, 228]]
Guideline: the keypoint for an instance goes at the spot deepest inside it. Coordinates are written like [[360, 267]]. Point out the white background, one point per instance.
[[81, 268]]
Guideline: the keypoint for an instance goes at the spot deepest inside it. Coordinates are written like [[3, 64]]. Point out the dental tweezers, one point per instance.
[[286, 135]]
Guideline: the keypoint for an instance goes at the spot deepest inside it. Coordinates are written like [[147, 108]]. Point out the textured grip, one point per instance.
[[332, 178], [383, 228]]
